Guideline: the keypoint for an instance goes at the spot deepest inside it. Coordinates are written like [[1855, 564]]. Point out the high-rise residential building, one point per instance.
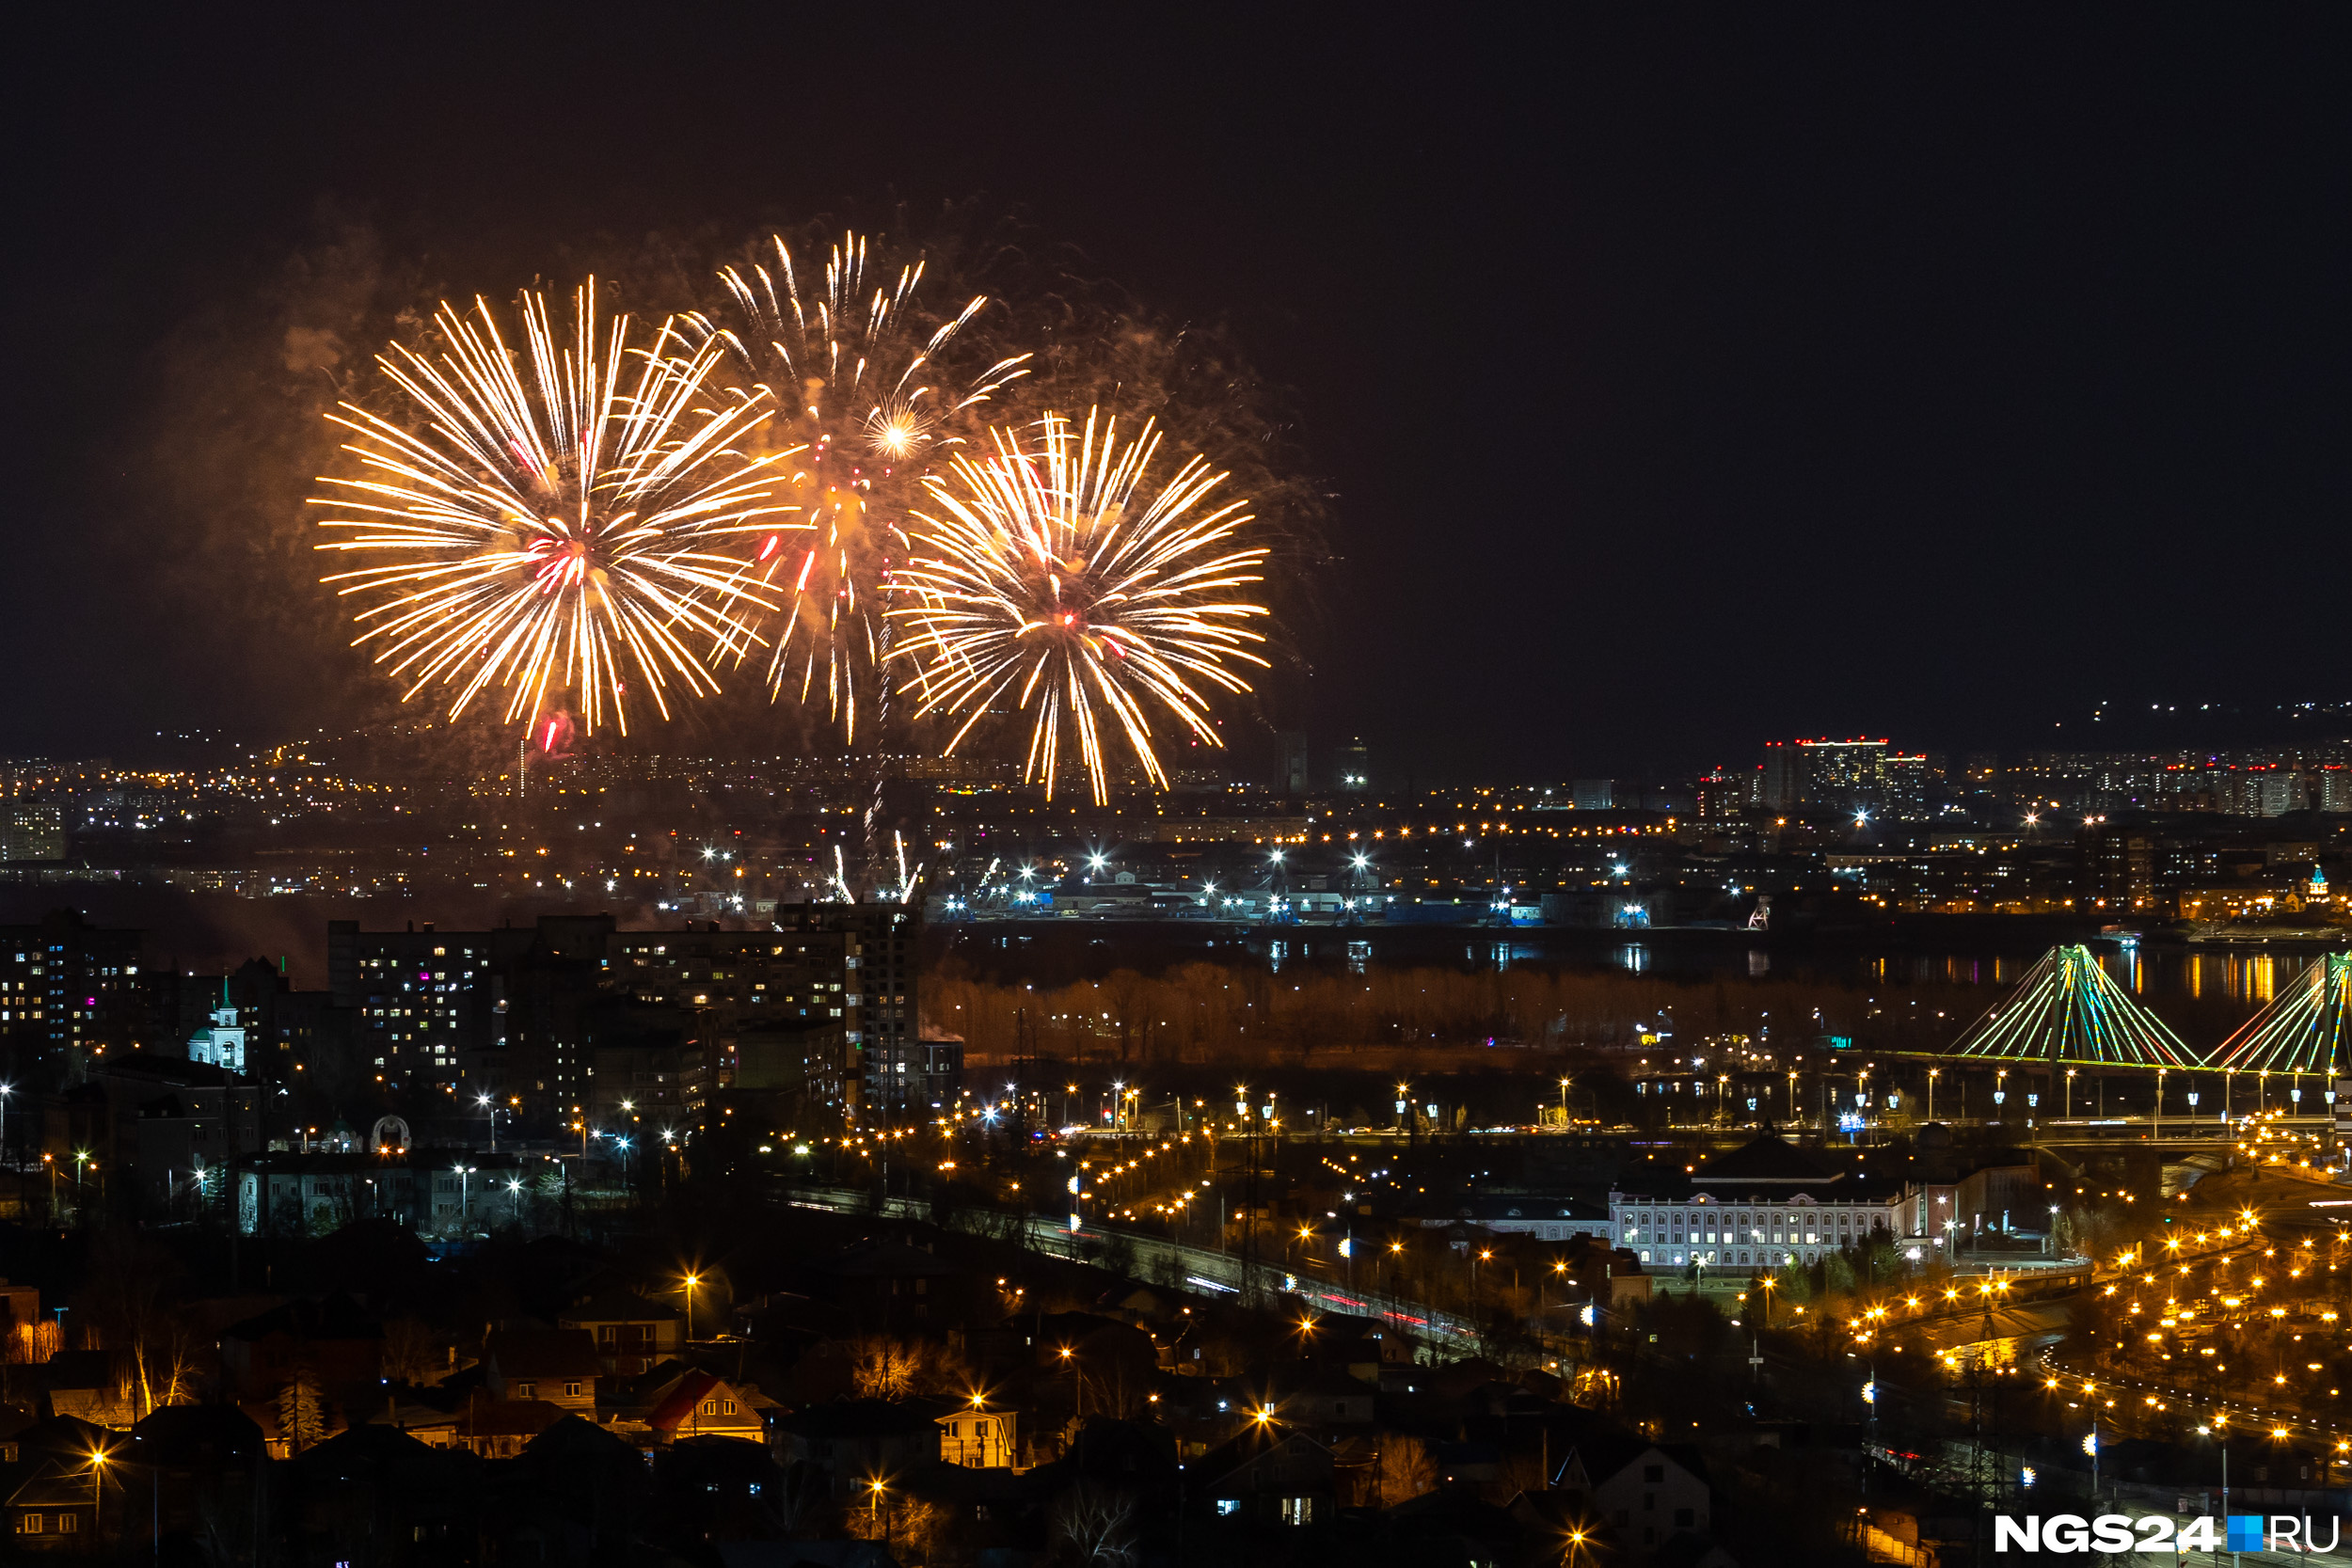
[[70, 992], [425, 1000], [822, 1004], [896, 1068], [770, 1009], [1908, 777], [2283, 791], [2119, 869], [1720, 796], [1841, 774], [1784, 774], [2335, 788], [1846, 773], [32, 833], [1297, 780], [1351, 767]]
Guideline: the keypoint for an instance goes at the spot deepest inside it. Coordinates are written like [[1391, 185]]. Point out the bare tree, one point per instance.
[[123, 1310], [1094, 1526], [408, 1350], [883, 1368], [1406, 1469]]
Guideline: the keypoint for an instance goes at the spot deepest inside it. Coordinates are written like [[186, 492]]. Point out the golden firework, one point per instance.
[[854, 365], [565, 518], [1059, 574]]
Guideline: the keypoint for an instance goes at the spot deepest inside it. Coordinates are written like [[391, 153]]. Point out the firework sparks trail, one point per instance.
[[1059, 574], [854, 366], [559, 520]]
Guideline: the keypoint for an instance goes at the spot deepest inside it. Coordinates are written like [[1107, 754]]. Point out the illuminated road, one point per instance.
[[1214, 1272]]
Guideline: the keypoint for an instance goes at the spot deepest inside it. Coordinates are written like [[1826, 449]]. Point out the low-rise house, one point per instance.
[[1304, 1394], [15, 1422], [93, 1386], [375, 1494], [699, 1404], [852, 1442], [1270, 1475], [53, 1510], [335, 1340], [20, 1306], [1644, 1492], [631, 1333], [1452, 1526], [429, 1424], [1361, 1346], [557, 1365], [199, 1469], [500, 1429], [886, 1283], [982, 1436]]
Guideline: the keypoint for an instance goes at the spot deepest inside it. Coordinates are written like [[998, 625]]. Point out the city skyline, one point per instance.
[[1134, 787]]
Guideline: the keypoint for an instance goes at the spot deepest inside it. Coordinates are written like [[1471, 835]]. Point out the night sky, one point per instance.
[[1682, 379]]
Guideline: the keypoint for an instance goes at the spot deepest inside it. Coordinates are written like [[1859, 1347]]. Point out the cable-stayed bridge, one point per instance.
[[2067, 1011]]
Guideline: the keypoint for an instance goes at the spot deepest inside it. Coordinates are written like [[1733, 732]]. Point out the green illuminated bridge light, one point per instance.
[[2067, 1009]]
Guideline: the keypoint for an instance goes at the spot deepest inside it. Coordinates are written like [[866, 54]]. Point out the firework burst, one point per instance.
[[854, 365], [1059, 574], [568, 518]]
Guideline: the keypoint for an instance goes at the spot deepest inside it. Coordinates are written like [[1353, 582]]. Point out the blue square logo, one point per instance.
[[2246, 1533]]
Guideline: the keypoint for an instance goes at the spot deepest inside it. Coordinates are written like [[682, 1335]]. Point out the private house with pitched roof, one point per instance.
[[631, 1333], [980, 1435], [558, 1365], [500, 1429], [53, 1510], [699, 1404], [853, 1441], [1270, 1476], [1646, 1493]]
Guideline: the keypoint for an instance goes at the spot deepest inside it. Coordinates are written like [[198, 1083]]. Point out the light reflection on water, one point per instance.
[[2149, 973]]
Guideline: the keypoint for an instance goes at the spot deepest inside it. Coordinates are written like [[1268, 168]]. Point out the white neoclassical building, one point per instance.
[[1763, 1204]]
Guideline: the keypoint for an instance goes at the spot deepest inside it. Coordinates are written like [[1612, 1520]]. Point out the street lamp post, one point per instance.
[[1933, 1073]]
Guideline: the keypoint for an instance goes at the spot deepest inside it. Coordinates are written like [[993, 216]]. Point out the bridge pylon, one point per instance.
[[2303, 1030], [2067, 1009]]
